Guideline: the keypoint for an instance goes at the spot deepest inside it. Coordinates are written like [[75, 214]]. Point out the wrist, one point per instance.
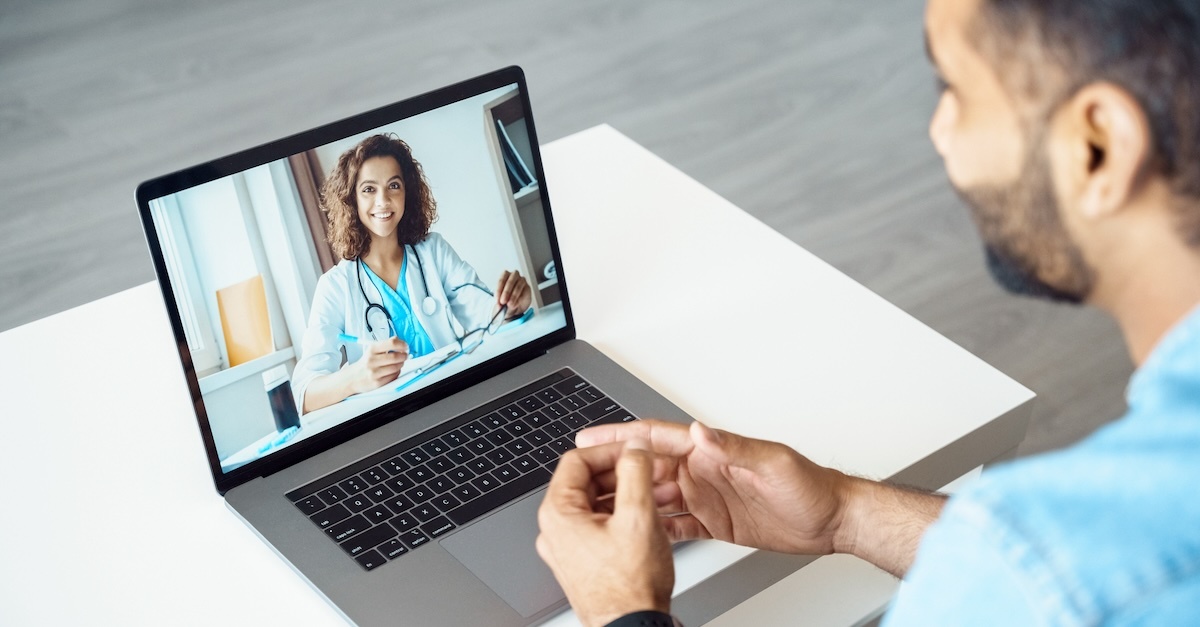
[[615, 612], [853, 494]]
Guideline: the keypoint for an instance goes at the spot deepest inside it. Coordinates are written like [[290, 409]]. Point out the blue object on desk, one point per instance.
[[516, 322], [280, 440]]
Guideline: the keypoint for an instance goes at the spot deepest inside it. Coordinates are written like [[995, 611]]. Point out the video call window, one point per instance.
[[272, 297]]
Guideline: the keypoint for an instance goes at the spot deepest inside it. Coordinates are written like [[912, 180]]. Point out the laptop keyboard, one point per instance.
[[394, 501]]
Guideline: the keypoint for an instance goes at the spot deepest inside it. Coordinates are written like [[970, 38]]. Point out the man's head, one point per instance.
[[1072, 129]]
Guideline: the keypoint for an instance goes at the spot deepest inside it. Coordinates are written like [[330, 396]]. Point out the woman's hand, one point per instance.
[[513, 292], [380, 364]]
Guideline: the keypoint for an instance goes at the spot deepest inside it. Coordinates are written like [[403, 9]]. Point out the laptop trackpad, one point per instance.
[[500, 551]]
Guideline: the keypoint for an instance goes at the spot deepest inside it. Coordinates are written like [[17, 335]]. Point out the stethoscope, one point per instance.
[[429, 304]]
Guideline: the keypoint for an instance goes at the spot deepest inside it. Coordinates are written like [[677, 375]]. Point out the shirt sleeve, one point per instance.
[[961, 577]]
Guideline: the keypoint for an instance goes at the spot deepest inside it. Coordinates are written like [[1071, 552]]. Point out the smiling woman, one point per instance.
[[377, 308]]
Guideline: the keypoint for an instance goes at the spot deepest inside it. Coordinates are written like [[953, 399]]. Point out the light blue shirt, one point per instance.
[[408, 328], [1106, 532]]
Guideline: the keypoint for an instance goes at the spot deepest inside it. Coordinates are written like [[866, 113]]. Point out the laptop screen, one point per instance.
[[321, 285]]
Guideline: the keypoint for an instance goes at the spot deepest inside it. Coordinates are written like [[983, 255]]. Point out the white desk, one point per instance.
[[110, 516]]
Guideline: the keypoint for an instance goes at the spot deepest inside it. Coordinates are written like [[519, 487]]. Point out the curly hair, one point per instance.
[[346, 233]]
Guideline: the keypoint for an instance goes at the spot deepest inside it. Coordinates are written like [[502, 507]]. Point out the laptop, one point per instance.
[[409, 496]]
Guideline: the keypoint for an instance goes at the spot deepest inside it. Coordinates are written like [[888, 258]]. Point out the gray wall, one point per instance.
[[809, 114]]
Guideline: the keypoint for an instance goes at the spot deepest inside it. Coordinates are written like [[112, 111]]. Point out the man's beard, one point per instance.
[[1029, 251]]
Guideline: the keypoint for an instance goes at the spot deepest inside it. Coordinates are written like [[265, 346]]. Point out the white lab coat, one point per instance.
[[338, 307]]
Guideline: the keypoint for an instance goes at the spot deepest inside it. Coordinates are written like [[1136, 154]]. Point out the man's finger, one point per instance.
[[635, 484], [731, 449], [666, 438], [570, 487]]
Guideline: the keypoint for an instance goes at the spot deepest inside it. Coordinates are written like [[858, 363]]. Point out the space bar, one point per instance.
[[474, 509]]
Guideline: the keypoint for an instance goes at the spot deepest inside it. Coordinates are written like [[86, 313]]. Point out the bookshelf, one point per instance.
[[512, 156]]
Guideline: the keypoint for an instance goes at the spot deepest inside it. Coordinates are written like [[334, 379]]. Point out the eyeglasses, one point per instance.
[[475, 337]]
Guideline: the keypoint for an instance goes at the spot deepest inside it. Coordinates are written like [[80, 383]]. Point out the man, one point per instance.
[[1072, 130]]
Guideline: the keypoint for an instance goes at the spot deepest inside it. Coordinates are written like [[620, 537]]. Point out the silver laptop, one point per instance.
[[387, 430]]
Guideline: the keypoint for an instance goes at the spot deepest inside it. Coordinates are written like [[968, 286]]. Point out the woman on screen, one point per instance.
[[399, 291]]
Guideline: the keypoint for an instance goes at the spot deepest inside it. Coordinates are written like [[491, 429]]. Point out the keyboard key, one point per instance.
[[481, 465], [568, 386], [562, 445], [544, 455], [505, 493], [419, 494], [572, 403], [591, 394], [344, 530], [600, 409], [499, 456], [548, 395], [575, 421], [615, 417], [330, 515], [460, 475], [440, 485], [474, 430], [437, 527], [480, 446], [378, 514], [368, 540], [404, 522], [505, 473], [499, 436], [332, 494], [395, 466], [538, 438], [370, 560], [512, 412], [525, 464], [518, 447], [494, 421], [440, 465], [446, 502], [424, 512], [530, 403], [556, 429], [459, 456], [536, 419], [400, 484], [454, 438], [414, 538], [398, 504], [468, 491], [556, 410], [357, 503], [380, 493], [374, 475], [393, 548], [517, 427], [352, 485], [311, 505], [415, 456], [435, 448], [419, 474], [484, 483]]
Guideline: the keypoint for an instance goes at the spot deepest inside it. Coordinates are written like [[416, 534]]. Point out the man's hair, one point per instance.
[[1045, 51], [347, 235]]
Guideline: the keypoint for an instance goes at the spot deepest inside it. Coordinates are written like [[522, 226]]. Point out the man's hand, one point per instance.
[[611, 558], [766, 495], [749, 492]]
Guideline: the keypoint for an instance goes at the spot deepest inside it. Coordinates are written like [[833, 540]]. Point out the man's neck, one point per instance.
[[1153, 292]]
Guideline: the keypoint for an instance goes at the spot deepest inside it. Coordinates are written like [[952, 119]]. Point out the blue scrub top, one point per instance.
[[398, 305]]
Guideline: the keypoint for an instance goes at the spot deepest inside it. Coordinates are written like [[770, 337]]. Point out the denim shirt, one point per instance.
[[1106, 532]]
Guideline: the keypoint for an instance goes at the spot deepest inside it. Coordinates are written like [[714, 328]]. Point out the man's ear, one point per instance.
[[1110, 146]]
